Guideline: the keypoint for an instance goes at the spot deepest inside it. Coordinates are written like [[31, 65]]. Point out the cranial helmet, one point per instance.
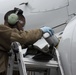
[[12, 16]]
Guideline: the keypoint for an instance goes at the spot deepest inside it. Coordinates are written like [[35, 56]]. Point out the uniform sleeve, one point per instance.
[[26, 37]]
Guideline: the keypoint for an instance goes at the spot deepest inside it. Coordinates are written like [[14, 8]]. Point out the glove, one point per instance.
[[47, 29]]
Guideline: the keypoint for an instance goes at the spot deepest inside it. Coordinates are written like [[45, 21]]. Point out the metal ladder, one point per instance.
[[16, 52], [22, 63]]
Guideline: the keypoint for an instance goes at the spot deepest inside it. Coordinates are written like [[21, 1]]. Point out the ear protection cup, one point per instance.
[[13, 17]]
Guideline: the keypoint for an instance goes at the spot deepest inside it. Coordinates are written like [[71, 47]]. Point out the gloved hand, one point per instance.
[[47, 29]]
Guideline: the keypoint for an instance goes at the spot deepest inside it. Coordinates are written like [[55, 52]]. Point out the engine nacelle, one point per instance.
[[67, 48]]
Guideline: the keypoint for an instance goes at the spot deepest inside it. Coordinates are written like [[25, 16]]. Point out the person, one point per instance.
[[12, 30]]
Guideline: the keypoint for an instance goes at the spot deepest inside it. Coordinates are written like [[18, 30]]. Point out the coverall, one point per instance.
[[9, 35]]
